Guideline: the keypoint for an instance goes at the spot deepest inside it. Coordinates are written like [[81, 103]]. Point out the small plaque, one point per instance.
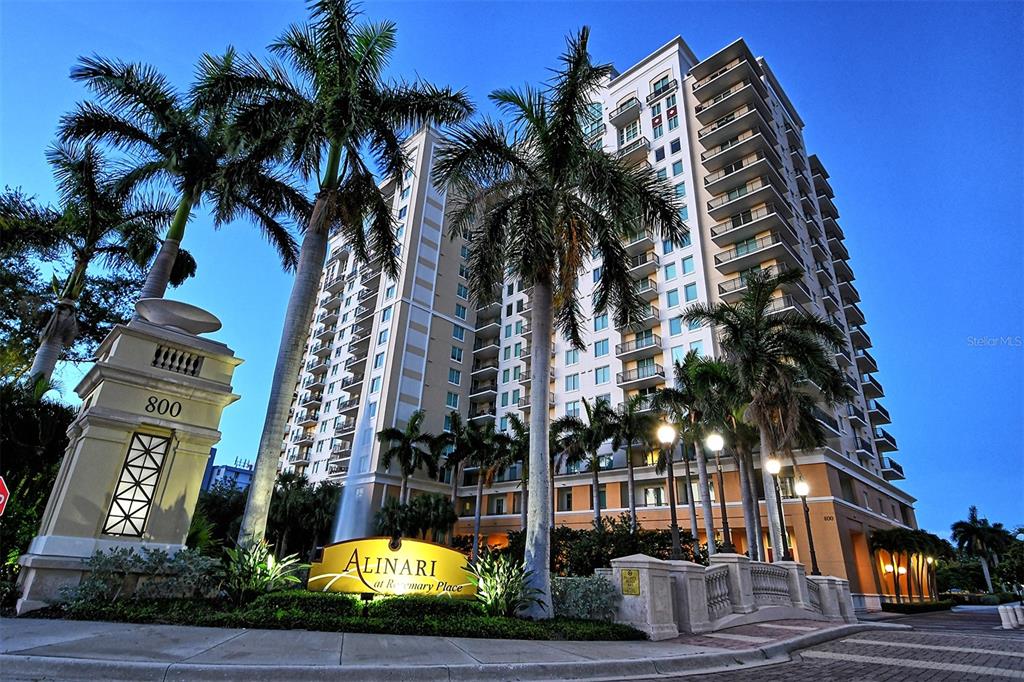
[[631, 582]]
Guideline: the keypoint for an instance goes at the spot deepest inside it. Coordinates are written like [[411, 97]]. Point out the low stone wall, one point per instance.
[[665, 598]]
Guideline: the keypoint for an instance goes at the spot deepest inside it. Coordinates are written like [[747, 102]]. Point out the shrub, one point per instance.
[[591, 598], [917, 607], [414, 607], [329, 603], [253, 570], [147, 574], [501, 584], [977, 599]]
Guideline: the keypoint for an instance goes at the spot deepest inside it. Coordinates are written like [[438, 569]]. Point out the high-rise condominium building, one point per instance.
[[723, 132]]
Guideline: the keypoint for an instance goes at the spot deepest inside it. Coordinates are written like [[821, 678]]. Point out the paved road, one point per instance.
[[959, 645]]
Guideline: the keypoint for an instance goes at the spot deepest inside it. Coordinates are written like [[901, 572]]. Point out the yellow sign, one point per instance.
[[631, 582], [372, 566]]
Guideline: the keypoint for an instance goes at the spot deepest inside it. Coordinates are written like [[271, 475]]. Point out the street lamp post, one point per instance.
[[774, 466], [802, 489], [715, 443], [667, 436]]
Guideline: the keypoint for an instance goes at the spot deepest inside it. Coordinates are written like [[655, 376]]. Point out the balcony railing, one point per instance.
[[645, 372], [742, 219], [707, 79], [854, 411], [662, 91], [738, 252], [624, 108], [750, 187], [646, 258], [638, 344], [722, 95], [633, 146]]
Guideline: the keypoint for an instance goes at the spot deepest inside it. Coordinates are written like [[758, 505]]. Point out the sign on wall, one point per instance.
[[631, 582], [373, 566]]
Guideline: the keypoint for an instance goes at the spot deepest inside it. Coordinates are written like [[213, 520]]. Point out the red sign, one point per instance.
[[4, 494]]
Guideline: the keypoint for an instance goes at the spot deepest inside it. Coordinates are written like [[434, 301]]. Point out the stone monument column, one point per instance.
[[151, 408]]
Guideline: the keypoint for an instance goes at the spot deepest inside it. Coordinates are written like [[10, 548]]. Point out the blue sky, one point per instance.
[[915, 109]]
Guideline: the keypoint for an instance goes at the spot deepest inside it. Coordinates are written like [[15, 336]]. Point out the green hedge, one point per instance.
[[918, 607], [978, 599], [301, 610]]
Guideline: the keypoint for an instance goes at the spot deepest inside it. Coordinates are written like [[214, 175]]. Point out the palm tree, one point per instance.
[[537, 200], [190, 144], [100, 221], [633, 423], [744, 439], [411, 448], [582, 440], [325, 107], [458, 452], [892, 541], [974, 536], [489, 450], [519, 451], [774, 355], [690, 397]]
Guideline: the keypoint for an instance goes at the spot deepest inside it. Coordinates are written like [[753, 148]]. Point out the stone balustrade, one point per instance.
[[664, 598]]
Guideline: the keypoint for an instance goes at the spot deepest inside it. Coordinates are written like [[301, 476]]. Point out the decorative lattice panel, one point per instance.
[[134, 493]]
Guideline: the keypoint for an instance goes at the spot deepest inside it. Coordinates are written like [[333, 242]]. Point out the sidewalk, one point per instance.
[[33, 649]]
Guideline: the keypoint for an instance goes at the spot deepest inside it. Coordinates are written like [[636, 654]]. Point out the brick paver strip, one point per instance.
[[935, 647], [920, 665]]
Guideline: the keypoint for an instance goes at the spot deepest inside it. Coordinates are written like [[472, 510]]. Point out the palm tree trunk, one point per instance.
[[631, 492], [160, 272], [538, 519], [403, 490], [554, 500], [61, 329], [456, 475], [985, 572], [748, 509], [476, 514], [755, 507], [690, 501], [705, 496], [298, 317], [670, 475], [770, 503], [523, 501], [594, 471]]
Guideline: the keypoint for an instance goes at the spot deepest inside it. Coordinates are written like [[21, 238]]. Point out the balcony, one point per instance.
[[350, 405], [355, 361], [488, 311], [308, 418], [345, 426], [826, 420], [336, 470], [332, 302], [658, 93], [785, 303], [352, 384], [827, 208], [831, 301], [745, 92], [482, 413], [736, 71], [872, 389], [314, 383], [841, 356], [371, 278], [365, 295], [832, 228], [854, 315], [843, 271], [849, 292], [864, 448], [884, 442], [328, 317], [746, 143], [856, 415], [625, 113], [891, 470], [311, 401], [483, 389], [299, 458], [525, 377], [859, 337], [746, 224], [318, 366], [639, 241], [324, 334], [838, 249], [524, 403], [304, 439], [486, 348], [877, 413], [647, 289], [645, 346], [758, 191], [335, 284], [739, 173], [649, 318], [644, 264], [641, 377], [751, 253], [822, 186], [488, 328], [363, 312], [360, 338], [865, 361], [484, 368], [731, 125], [321, 350], [635, 151]]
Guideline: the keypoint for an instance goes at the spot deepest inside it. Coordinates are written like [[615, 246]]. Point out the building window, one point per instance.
[[572, 356], [600, 322], [673, 122], [463, 271], [452, 400], [662, 174], [503, 424], [597, 274], [385, 314], [389, 293], [691, 292], [674, 146], [601, 348], [463, 291], [375, 384], [697, 346], [670, 271], [675, 326], [659, 154], [572, 382], [667, 246], [504, 399], [678, 354], [456, 354], [516, 372], [687, 265], [383, 336], [461, 311], [378, 360], [694, 325], [454, 377], [507, 352], [681, 189], [405, 192], [602, 375], [630, 132], [519, 327], [448, 423], [572, 408], [673, 298], [458, 332], [464, 251], [658, 131], [515, 395], [508, 331], [402, 212], [677, 168]]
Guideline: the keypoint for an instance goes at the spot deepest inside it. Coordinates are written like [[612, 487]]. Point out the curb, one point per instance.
[[17, 667]]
